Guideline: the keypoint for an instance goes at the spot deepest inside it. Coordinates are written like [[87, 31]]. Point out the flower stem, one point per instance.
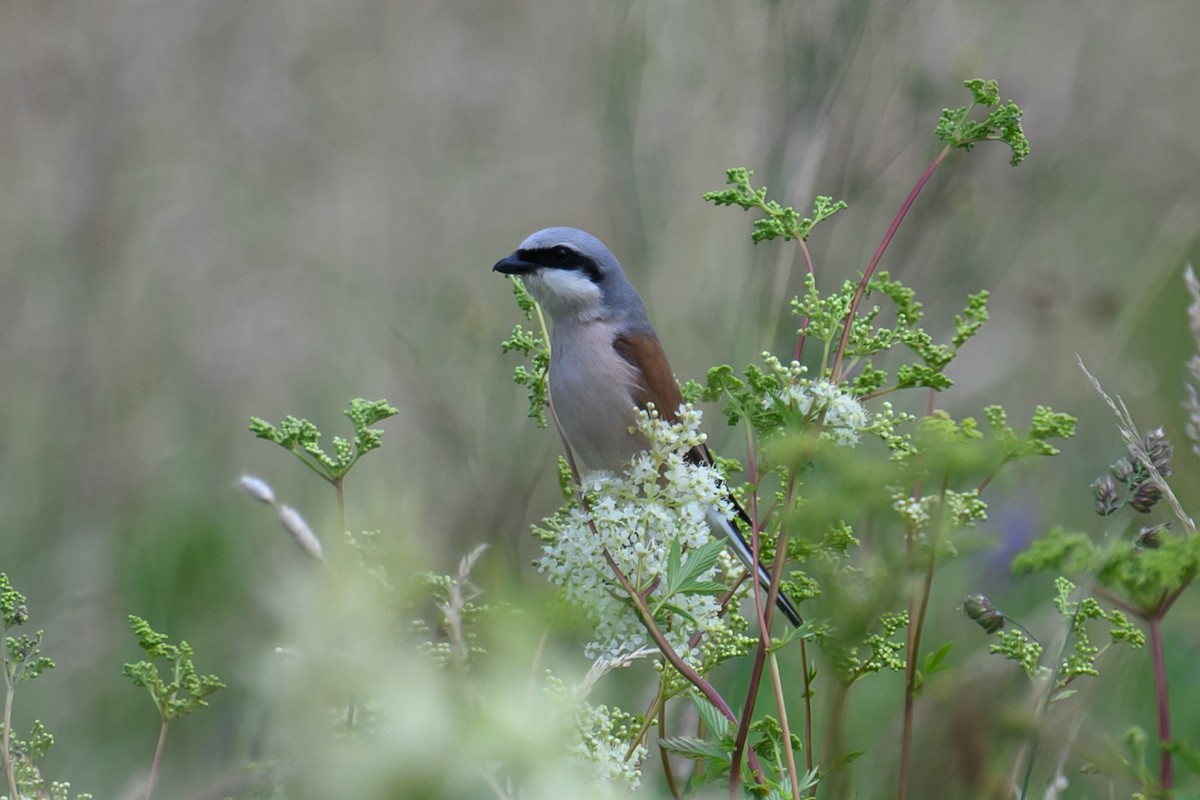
[[808, 712], [777, 685], [8, 765], [883, 245], [681, 666], [1166, 775], [158, 751]]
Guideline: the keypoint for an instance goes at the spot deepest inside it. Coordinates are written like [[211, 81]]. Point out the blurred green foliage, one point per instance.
[[219, 209]]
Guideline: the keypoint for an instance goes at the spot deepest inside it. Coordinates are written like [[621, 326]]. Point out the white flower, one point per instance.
[[604, 739], [843, 418], [659, 499]]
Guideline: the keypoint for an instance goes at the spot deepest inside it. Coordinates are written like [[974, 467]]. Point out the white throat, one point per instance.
[[563, 292]]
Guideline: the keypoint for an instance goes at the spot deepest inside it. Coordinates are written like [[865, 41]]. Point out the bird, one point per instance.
[[606, 360]]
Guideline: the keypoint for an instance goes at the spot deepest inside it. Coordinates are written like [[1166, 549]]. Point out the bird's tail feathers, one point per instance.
[[737, 541]]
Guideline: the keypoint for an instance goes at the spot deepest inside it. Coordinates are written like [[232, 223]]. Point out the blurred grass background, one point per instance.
[[214, 209]]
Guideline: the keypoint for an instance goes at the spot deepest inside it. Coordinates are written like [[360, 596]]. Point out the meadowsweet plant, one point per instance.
[[183, 690], [827, 449], [651, 521], [302, 439], [23, 661], [363, 702]]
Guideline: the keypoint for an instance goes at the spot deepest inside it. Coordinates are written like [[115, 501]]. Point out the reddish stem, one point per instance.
[[883, 245], [158, 751], [1166, 775]]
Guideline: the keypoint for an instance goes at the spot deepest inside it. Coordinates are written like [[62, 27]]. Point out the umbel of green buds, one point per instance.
[[980, 609]]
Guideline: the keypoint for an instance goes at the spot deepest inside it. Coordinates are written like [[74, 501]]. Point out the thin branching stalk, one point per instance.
[[8, 765], [906, 729], [765, 611], [158, 751], [777, 685], [743, 733], [917, 608], [675, 660], [1166, 776], [341, 500], [808, 712], [662, 751], [808, 268], [762, 616], [870, 270]]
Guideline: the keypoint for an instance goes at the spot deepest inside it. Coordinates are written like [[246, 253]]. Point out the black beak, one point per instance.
[[514, 265]]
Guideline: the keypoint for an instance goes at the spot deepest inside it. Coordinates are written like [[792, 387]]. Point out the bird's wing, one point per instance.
[[658, 386], [645, 353]]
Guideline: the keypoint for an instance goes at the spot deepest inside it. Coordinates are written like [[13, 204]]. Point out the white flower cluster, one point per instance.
[[964, 509], [660, 498], [843, 417], [915, 511], [604, 745]]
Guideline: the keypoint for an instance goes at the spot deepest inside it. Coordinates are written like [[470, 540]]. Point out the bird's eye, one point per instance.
[[560, 255]]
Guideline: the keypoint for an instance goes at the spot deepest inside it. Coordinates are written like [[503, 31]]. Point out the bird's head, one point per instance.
[[572, 273]]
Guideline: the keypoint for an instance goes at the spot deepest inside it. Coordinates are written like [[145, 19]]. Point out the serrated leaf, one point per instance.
[[707, 587], [692, 747], [716, 722], [680, 578], [674, 564]]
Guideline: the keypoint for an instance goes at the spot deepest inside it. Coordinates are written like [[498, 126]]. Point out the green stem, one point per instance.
[[915, 626], [666, 758], [8, 765], [808, 712], [777, 685], [808, 266], [831, 760]]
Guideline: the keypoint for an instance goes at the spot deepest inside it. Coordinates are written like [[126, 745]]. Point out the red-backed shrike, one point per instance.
[[605, 360]]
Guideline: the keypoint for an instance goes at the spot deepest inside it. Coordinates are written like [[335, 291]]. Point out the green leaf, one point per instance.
[[681, 578], [713, 719], [1003, 122], [934, 661], [692, 747], [781, 222], [187, 691]]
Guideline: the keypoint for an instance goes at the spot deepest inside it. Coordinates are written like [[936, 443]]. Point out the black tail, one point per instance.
[[737, 541]]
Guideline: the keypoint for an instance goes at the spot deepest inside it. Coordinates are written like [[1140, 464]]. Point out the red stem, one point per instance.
[[681, 666], [743, 731], [1165, 770], [883, 245]]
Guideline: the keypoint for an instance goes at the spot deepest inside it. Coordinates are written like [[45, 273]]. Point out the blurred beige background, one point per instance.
[[214, 209]]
